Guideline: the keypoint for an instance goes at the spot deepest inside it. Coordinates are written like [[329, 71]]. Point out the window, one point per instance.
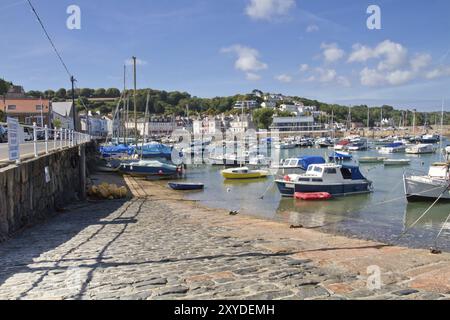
[[318, 169], [39, 108], [331, 171], [317, 180], [346, 173], [12, 107]]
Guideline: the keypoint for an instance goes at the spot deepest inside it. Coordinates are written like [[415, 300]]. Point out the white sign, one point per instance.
[[13, 139], [47, 175]]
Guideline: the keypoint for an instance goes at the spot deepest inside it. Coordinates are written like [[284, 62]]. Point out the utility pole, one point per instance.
[[135, 107], [74, 111]]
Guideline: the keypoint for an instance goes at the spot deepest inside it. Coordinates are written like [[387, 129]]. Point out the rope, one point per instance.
[[440, 231]]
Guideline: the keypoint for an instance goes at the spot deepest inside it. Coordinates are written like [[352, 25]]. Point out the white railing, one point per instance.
[[36, 141]]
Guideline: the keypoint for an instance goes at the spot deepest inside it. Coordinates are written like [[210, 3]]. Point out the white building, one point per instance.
[[97, 125], [240, 124], [209, 126], [296, 124], [248, 104], [62, 111]]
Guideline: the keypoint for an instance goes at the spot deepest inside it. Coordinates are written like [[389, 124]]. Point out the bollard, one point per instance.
[[35, 140], [46, 138]]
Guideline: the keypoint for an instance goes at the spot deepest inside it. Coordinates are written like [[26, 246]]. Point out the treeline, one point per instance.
[[182, 103]]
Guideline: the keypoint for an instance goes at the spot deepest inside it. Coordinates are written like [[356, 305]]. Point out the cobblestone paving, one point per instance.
[[141, 249]]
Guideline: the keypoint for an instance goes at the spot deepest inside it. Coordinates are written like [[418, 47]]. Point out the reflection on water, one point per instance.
[[382, 215]]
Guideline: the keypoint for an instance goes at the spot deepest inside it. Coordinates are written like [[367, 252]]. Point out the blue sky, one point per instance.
[[318, 49]]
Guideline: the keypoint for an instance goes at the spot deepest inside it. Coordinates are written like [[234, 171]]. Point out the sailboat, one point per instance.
[[144, 167]]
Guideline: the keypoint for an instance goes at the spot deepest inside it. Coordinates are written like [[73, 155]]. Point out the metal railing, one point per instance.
[[36, 141]]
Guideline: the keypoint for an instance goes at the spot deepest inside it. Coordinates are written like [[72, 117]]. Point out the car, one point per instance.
[[3, 134]]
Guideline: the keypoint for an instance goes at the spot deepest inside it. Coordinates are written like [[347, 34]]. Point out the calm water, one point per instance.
[[363, 216]]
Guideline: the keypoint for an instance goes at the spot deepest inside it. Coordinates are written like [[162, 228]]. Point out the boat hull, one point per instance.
[[421, 191], [135, 170], [288, 189], [256, 175], [186, 186]]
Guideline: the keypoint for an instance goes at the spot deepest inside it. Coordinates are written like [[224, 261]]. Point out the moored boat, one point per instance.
[[340, 156], [244, 173], [299, 163], [396, 147], [421, 149], [371, 159], [428, 187], [185, 186], [337, 180], [149, 168], [396, 162]]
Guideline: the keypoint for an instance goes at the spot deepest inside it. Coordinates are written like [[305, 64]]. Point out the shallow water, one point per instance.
[[382, 215]]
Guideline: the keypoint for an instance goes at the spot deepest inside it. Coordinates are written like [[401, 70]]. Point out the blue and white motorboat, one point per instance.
[[149, 168], [337, 180]]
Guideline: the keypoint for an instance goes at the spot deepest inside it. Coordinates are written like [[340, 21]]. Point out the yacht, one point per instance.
[[337, 180], [292, 165], [395, 147], [428, 187], [421, 149]]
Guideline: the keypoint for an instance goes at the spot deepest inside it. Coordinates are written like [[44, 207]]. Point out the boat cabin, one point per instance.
[[439, 171], [329, 172]]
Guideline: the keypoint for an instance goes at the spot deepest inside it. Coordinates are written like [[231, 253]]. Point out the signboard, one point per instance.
[[13, 138]]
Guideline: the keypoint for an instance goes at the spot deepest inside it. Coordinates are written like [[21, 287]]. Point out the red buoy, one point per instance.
[[310, 196]]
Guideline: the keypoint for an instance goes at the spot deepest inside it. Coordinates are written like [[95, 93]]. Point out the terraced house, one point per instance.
[[15, 103]]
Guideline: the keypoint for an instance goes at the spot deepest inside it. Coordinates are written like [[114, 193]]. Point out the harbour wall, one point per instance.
[[39, 187]]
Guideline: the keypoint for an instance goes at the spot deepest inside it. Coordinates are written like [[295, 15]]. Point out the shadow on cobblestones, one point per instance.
[[18, 255]]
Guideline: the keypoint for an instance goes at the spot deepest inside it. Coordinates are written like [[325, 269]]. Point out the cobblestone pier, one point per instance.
[[157, 246]]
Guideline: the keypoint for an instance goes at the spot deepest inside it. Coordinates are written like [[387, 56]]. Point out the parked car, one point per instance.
[[27, 134], [3, 134]]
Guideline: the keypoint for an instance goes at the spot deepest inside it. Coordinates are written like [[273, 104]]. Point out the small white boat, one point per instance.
[[421, 149], [393, 148], [285, 145], [396, 162], [371, 159]]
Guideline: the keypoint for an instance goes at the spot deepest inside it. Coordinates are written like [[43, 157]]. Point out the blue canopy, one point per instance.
[[337, 155], [121, 148], [394, 145], [308, 160], [155, 150], [356, 173]]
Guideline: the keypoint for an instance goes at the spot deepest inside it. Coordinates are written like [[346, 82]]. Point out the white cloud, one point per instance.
[[304, 67], [371, 77], [332, 52], [284, 78], [326, 75], [247, 60], [420, 61], [399, 77], [267, 9], [312, 28], [438, 73], [139, 62], [393, 54]]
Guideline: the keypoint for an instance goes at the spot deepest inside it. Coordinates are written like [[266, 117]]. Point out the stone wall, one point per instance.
[[26, 196]]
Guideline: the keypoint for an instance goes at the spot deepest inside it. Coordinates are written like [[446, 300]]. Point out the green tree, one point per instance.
[[49, 94], [112, 93], [4, 86], [263, 118], [61, 93], [100, 93]]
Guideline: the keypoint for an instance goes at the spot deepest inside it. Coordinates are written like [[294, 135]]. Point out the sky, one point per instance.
[[318, 49]]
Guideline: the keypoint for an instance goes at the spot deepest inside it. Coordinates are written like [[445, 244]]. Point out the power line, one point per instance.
[[49, 38]]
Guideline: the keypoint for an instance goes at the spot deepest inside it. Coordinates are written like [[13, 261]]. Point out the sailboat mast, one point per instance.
[[134, 97], [442, 128]]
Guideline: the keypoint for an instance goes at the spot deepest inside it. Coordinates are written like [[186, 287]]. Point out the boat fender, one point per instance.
[[287, 178]]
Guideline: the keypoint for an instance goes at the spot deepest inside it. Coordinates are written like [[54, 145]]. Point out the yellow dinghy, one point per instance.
[[244, 173]]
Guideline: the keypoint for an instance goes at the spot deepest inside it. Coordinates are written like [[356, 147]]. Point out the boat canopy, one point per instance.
[[305, 162], [394, 145], [155, 150], [121, 148], [355, 172], [338, 155]]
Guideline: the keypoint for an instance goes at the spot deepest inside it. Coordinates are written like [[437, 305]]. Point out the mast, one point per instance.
[[368, 118], [442, 129], [414, 122], [145, 124], [134, 97]]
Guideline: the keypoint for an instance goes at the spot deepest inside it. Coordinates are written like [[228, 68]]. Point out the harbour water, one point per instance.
[[382, 215]]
